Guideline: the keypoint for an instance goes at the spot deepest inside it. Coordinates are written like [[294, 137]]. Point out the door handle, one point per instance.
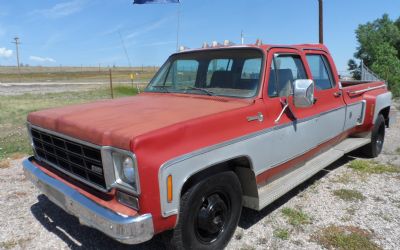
[[259, 117], [338, 94]]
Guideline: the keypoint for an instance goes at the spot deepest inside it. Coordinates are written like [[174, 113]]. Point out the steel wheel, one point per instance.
[[212, 217], [209, 213]]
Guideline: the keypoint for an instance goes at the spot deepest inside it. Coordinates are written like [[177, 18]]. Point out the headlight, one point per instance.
[[128, 170], [125, 170]]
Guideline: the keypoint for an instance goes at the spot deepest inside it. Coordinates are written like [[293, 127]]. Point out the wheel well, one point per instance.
[[385, 113], [241, 166]]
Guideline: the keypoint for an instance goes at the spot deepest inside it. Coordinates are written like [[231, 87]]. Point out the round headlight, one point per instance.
[[128, 170]]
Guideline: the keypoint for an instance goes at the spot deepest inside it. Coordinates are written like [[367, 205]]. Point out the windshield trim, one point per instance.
[[259, 85]]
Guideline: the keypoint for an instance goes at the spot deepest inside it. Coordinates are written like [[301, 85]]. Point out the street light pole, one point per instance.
[[321, 22]]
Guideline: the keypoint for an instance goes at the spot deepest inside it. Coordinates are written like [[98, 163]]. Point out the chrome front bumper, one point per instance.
[[125, 229]]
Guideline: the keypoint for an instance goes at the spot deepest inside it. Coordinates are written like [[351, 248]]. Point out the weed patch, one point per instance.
[[345, 238], [344, 178], [295, 217], [5, 163], [349, 195], [370, 167], [282, 234]]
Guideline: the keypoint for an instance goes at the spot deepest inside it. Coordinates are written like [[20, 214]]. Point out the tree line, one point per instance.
[[379, 49]]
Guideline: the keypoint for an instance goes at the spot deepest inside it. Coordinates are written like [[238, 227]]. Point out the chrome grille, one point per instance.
[[70, 157]]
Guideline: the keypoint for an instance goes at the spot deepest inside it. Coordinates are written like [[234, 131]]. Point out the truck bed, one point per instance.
[[354, 89]]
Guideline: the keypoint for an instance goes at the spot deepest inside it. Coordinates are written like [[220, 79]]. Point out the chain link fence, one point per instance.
[[367, 74]]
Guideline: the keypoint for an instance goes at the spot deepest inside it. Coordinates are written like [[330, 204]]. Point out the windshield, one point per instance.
[[228, 72]]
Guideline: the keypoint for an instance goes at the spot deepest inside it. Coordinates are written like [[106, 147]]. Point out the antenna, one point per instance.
[[127, 57], [126, 52]]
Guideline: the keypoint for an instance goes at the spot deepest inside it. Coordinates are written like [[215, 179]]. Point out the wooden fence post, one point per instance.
[[111, 87]]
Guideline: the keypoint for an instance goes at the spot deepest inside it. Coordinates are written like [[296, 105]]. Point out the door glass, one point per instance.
[[322, 76], [285, 69]]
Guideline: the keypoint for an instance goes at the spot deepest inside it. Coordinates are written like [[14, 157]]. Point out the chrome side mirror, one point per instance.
[[303, 93]]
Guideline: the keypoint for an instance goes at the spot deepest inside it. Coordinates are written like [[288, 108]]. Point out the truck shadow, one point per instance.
[[76, 236]]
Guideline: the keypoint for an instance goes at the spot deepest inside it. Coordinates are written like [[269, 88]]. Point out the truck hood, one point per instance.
[[117, 122]]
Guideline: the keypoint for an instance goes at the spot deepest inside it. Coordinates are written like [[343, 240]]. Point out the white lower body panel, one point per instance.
[[277, 188]]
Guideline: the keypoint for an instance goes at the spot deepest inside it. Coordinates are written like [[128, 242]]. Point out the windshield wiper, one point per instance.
[[163, 87], [208, 92]]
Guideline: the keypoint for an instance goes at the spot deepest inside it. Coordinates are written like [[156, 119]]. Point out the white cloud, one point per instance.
[[61, 9], [5, 53], [42, 59]]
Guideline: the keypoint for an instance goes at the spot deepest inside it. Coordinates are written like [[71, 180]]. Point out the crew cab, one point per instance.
[[216, 129]]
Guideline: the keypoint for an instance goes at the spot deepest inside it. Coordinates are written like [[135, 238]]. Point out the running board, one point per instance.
[[272, 191]]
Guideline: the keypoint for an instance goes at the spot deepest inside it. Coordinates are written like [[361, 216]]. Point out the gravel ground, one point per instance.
[[30, 220]]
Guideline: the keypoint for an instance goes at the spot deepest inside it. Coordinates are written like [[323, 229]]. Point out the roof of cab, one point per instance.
[[262, 47]]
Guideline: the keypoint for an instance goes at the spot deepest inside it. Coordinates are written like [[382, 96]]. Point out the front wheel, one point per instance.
[[374, 148], [209, 213]]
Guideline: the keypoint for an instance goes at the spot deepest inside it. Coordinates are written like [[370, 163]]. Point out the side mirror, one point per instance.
[[303, 93]]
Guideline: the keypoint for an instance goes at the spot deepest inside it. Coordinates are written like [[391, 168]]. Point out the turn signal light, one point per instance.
[[169, 188], [128, 200]]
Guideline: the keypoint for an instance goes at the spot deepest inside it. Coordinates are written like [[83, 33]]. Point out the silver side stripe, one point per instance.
[[265, 150]]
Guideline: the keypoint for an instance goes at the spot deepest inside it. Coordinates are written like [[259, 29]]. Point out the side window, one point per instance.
[[182, 73], [285, 69], [322, 75], [218, 65]]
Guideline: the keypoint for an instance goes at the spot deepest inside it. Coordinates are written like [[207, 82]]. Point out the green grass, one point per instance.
[[349, 195], [282, 234], [345, 238], [370, 167], [14, 109], [295, 217], [74, 74]]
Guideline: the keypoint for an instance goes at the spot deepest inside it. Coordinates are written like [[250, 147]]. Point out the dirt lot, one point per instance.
[[349, 205]]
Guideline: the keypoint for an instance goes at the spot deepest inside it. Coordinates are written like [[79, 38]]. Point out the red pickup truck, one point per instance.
[[216, 129]]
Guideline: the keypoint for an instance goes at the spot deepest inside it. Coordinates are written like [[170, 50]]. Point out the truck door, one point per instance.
[[293, 133], [329, 103]]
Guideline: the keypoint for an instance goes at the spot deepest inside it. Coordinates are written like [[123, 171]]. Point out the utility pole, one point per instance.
[[321, 21], [17, 51], [178, 27]]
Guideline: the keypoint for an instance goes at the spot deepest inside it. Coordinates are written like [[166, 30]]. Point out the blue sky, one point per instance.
[[84, 32]]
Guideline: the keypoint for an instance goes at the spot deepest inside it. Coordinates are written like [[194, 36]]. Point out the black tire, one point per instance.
[[209, 213], [374, 148]]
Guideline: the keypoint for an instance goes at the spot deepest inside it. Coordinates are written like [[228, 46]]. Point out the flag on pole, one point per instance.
[[154, 1]]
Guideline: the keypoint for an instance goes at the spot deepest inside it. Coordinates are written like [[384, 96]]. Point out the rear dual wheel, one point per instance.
[[209, 213], [374, 148]]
